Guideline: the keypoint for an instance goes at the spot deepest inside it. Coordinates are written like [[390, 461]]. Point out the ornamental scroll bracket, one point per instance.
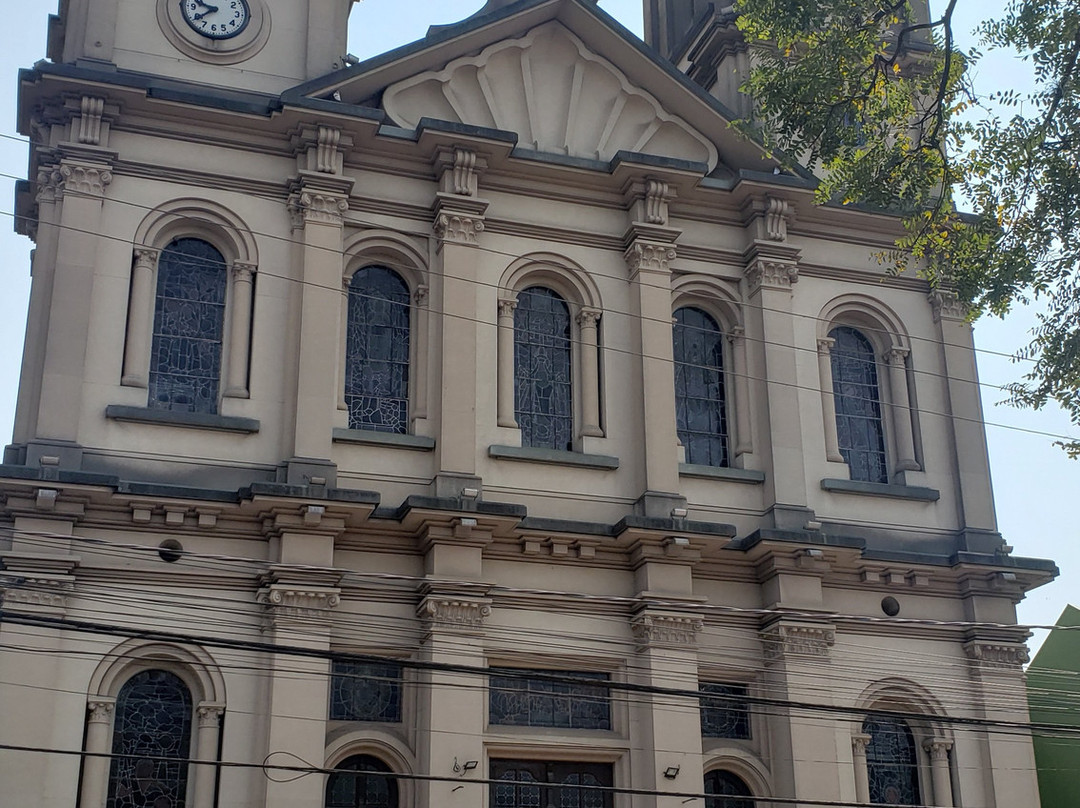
[[320, 149], [459, 170]]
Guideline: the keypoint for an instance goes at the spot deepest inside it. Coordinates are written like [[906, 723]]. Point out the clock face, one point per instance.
[[217, 19]]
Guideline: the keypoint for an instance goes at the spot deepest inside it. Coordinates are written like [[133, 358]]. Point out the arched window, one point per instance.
[[860, 434], [543, 376], [363, 783], [700, 410], [151, 742], [725, 789], [891, 762], [377, 351], [189, 323]]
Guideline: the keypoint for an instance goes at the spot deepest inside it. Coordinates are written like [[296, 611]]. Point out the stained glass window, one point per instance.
[[366, 782], [189, 320], [858, 406], [366, 691], [152, 736], [518, 699], [725, 712], [700, 416], [891, 761], [542, 370], [377, 351], [725, 789], [544, 783]]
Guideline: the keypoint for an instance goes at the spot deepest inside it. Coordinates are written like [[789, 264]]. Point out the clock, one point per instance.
[[217, 19]]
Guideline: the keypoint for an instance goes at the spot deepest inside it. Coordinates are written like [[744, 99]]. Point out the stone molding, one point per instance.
[[458, 228], [784, 640], [85, 179], [658, 630], [243, 272], [90, 114], [50, 185], [772, 274], [437, 611], [289, 600], [946, 305], [859, 743], [938, 749], [100, 710], [208, 714], [650, 256], [997, 655], [777, 212], [317, 207]]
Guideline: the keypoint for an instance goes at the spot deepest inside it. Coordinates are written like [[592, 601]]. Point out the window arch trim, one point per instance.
[[382, 745]]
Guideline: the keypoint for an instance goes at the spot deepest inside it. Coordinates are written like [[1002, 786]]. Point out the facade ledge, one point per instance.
[[191, 420], [733, 475], [556, 457], [370, 437], [912, 492]]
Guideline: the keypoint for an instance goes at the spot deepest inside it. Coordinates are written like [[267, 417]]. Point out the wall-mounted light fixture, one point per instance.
[[671, 772]]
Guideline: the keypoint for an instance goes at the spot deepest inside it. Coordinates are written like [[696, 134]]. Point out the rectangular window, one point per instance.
[[536, 783], [725, 712], [366, 691], [526, 698]]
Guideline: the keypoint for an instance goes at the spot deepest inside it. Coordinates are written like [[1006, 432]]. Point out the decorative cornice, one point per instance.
[[997, 655], [650, 257], [659, 630], [771, 274], [783, 640]]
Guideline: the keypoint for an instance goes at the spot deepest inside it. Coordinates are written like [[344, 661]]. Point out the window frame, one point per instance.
[[748, 711], [399, 681], [527, 674], [396, 793], [727, 408], [885, 436], [549, 763], [919, 764]]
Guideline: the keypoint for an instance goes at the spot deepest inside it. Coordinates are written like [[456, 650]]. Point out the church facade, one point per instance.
[[483, 424]]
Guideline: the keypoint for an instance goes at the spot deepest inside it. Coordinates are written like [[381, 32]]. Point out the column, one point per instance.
[[939, 772], [207, 739], [587, 321], [60, 405], [318, 204], [744, 438], [95, 772], [862, 773], [506, 410], [243, 280], [649, 262], [140, 318], [419, 377], [901, 407], [828, 400]]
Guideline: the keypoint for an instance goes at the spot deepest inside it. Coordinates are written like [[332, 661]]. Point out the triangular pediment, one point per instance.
[[555, 94], [560, 75]]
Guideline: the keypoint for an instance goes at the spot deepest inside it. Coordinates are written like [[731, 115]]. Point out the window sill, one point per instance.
[[532, 454], [910, 492], [190, 420], [370, 437], [733, 475]]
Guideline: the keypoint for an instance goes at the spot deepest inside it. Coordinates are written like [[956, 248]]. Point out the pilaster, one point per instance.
[[458, 225], [649, 251]]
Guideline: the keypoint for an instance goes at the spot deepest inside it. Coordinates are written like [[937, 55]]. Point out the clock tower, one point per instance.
[[262, 45]]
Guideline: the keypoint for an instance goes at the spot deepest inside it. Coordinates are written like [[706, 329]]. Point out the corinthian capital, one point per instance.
[[87, 180], [772, 274], [647, 256]]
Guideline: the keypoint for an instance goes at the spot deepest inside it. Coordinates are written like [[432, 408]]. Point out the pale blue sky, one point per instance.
[[1034, 482]]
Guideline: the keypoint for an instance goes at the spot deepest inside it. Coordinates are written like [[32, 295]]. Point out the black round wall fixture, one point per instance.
[[171, 550], [890, 605]]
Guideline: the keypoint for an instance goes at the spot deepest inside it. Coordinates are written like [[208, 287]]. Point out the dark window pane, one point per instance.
[[727, 788], [543, 401], [366, 782], [550, 784], [189, 320], [891, 762], [518, 699], [366, 691], [725, 712], [152, 734], [858, 406], [700, 412], [377, 351]]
